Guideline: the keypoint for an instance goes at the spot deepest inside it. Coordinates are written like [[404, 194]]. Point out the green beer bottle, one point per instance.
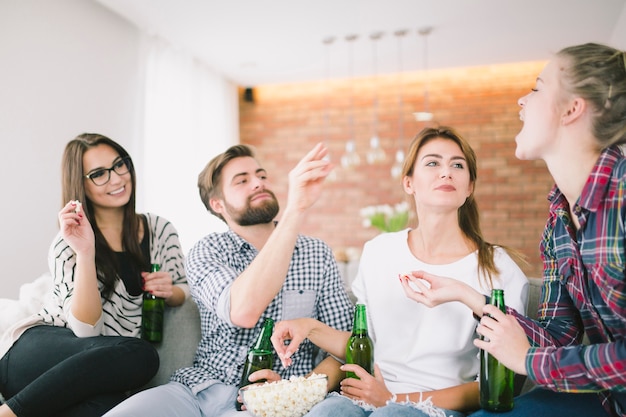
[[152, 314], [260, 356], [360, 348], [496, 380]]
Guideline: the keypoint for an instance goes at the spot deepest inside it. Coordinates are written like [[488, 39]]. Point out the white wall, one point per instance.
[[190, 115], [72, 66], [618, 38], [66, 67]]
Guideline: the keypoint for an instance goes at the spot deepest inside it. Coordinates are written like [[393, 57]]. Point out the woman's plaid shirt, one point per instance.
[[584, 291]]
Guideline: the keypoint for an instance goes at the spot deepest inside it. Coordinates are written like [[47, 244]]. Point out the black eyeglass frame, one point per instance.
[[126, 166]]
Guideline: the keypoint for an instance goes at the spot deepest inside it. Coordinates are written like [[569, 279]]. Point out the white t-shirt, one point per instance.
[[416, 347]]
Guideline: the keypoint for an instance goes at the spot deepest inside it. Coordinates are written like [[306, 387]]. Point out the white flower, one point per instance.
[[401, 207], [386, 210], [368, 211], [385, 217]]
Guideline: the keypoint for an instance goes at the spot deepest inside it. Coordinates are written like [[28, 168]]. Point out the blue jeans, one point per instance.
[[544, 403], [50, 372], [338, 406], [177, 400]]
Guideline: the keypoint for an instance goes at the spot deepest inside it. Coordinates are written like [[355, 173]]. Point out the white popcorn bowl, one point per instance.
[[292, 397]]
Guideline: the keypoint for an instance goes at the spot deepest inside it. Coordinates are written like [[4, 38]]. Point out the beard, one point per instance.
[[250, 216]]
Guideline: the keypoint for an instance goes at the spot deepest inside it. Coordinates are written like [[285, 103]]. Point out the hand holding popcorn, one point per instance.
[[76, 229], [288, 335]]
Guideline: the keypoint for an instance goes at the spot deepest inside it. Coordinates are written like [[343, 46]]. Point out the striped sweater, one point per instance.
[[122, 313]]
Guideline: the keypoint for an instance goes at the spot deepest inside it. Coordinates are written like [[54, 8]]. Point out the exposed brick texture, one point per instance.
[[285, 121]]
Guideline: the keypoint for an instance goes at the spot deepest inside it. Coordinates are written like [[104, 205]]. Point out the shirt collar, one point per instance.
[[597, 184], [241, 242]]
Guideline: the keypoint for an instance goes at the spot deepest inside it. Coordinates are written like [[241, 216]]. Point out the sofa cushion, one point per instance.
[[534, 292], [181, 335]]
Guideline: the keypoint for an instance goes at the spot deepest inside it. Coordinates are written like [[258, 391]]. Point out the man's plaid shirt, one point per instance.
[[313, 288]]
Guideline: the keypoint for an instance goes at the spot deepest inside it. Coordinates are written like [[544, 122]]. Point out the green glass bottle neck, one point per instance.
[[359, 326], [147, 295], [263, 342], [497, 299]]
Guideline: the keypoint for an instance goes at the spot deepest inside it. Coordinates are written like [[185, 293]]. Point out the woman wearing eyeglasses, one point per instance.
[[82, 352]]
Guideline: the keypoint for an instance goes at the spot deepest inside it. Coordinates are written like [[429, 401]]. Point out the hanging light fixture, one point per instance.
[[396, 168], [426, 115], [332, 176], [351, 158], [375, 154]]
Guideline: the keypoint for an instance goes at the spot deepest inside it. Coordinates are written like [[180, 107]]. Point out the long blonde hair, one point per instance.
[[597, 73]]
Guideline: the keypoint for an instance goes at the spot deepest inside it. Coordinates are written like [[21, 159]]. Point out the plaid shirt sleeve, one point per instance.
[[334, 307], [584, 290]]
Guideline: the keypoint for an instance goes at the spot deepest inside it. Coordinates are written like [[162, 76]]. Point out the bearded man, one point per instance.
[[258, 269]]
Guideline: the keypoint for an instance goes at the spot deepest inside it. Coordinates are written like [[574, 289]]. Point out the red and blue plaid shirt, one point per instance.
[[584, 291]]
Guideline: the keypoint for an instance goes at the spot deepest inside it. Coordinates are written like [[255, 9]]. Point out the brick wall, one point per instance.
[[285, 121]]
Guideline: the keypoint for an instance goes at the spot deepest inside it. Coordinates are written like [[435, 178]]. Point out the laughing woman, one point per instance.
[[575, 121], [81, 353]]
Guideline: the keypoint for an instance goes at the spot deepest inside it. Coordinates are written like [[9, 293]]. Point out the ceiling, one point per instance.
[[254, 42]]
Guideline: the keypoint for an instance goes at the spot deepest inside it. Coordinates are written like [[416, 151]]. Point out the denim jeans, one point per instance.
[[338, 406], [544, 403], [50, 372], [177, 400]]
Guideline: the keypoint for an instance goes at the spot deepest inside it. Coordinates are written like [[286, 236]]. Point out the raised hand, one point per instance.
[[307, 177], [76, 229]]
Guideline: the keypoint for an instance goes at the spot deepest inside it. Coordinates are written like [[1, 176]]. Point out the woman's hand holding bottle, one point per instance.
[[158, 283], [367, 388]]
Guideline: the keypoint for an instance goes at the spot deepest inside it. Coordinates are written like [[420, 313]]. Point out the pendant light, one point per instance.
[[375, 154], [351, 158], [425, 115], [396, 168], [332, 176]]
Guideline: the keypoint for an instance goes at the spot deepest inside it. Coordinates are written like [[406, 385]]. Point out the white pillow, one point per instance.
[[30, 301], [11, 311]]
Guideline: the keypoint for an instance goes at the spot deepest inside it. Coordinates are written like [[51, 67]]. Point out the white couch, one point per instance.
[[181, 327], [182, 324]]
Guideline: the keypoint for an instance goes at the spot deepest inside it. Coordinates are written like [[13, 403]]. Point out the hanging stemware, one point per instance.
[[375, 154], [426, 115], [396, 168], [332, 176], [351, 158]]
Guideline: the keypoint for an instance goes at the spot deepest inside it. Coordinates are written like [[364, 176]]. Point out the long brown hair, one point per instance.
[[467, 215], [73, 188]]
